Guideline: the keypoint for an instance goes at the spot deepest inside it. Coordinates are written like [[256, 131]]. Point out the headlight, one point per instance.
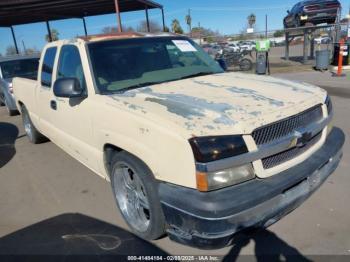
[[224, 178], [329, 105], [208, 149]]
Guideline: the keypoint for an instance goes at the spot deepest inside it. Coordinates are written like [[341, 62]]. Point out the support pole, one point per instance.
[[287, 47], [147, 19], [200, 33], [337, 26], [24, 47], [305, 54], [266, 26], [312, 47], [49, 31], [119, 20], [14, 40], [84, 23], [163, 19]]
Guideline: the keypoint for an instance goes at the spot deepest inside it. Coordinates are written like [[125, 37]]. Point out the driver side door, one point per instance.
[[72, 114]]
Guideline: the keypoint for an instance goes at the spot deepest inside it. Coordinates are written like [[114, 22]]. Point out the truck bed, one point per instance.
[[24, 91]]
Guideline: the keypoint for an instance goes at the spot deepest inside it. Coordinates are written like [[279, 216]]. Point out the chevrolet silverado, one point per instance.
[[191, 151]]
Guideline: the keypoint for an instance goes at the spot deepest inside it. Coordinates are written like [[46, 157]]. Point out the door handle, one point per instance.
[[53, 105]]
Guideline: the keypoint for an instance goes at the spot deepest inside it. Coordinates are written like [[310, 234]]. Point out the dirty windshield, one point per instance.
[[121, 65]]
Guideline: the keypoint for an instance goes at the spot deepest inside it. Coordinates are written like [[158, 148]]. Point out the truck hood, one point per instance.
[[221, 104]]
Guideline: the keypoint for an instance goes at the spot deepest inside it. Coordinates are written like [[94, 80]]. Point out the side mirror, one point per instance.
[[68, 88], [288, 12], [222, 63]]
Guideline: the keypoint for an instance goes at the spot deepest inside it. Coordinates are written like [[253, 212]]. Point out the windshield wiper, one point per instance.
[[197, 74], [123, 90]]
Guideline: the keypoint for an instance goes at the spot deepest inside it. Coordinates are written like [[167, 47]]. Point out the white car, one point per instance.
[[233, 47], [248, 46], [322, 40]]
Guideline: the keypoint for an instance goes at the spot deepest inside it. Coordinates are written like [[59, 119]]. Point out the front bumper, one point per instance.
[[319, 17], [210, 220]]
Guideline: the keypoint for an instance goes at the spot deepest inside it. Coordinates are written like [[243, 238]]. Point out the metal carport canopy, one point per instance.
[[18, 12]]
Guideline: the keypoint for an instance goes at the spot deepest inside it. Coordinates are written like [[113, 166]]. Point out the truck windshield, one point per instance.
[[20, 68], [120, 65]]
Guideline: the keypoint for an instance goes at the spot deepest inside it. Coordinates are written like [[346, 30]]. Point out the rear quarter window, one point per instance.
[[47, 66]]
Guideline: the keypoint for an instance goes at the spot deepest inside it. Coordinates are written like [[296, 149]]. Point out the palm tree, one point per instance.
[[176, 27], [188, 20], [54, 34]]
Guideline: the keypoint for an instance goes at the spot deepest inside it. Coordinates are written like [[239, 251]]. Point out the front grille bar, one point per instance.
[[266, 150], [285, 127], [275, 160]]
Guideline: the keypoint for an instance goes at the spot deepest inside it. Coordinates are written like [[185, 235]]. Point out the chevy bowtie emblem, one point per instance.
[[301, 139]]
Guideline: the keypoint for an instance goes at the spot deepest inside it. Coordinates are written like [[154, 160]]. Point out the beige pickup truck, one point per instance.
[[190, 151]]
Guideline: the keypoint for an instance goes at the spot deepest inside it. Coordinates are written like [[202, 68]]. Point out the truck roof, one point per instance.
[[111, 36], [124, 35], [18, 57]]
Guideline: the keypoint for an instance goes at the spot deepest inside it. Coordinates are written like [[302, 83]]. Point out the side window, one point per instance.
[[47, 67], [70, 64]]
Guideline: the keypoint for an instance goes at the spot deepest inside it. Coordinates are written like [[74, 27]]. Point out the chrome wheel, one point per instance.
[[131, 196]]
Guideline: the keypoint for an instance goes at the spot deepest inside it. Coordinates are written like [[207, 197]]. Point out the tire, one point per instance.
[[33, 134], [9, 111], [245, 64], [136, 194], [2, 99]]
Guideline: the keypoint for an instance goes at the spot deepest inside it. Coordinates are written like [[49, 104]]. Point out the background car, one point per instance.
[[234, 47], [15, 66], [313, 11], [247, 45], [323, 40]]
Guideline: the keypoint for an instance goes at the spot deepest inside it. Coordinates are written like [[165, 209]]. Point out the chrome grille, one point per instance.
[[287, 126], [285, 156]]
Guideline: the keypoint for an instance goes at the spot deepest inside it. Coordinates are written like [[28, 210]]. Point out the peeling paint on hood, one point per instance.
[[229, 103]]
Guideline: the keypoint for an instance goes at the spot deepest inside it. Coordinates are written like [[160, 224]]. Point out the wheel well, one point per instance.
[[21, 104], [20, 107], [108, 152]]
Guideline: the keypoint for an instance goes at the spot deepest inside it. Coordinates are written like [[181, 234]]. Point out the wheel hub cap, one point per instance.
[[131, 197]]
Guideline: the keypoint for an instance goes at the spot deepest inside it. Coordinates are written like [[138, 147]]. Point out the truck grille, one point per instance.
[[287, 126], [285, 156]]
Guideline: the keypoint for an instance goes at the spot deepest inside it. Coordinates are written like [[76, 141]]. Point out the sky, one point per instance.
[[226, 16]]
